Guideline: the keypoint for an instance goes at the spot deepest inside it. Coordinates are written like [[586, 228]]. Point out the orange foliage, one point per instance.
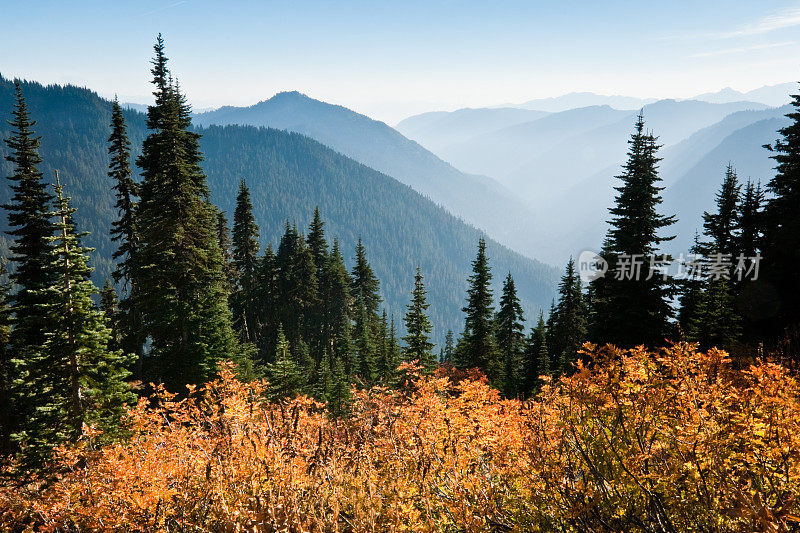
[[671, 441]]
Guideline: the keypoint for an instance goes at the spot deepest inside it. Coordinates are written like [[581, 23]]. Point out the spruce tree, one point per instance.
[[569, 318], [364, 346], [750, 221], [85, 381], [477, 346], [224, 239], [537, 356], [267, 301], [7, 406], [182, 293], [418, 328], [724, 225], [284, 375], [316, 242], [31, 229], [366, 285], [124, 232], [715, 323], [510, 338], [340, 396], [245, 258], [630, 309], [337, 305], [782, 230], [449, 348]]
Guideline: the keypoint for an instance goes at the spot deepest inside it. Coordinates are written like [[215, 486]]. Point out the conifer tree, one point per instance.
[[245, 257], [125, 234], [366, 285], [31, 229], [340, 397], [224, 239], [418, 328], [316, 242], [723, 226], [569, 318], [715, 323], [109, 306], [182, 293], [364, 346], [536, 357], [782, 229], [631, 309], [284, 375], [85, 381], [7, 406], [478, 346], [336, 298], [750, 222], [449, 347], [510, 338], [394, 357], [382, 350]]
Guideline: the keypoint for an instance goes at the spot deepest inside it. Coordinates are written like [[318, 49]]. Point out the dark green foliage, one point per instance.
[[477, 345], [288, 175], [723, 226], [367, 368], [7, 406], [567, 328], [782, 230], [245, 260], [179, 266], [510, 338], [109, 306], [449, 348], [418, 327], [285, 375], [628, 312], [366, 285], [224, 239], [537, 356], [715, 322], [84, 382], [336, 327], [750, 221]]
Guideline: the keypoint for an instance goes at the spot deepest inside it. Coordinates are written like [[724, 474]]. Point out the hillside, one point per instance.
[[288, 175], [478, 200]]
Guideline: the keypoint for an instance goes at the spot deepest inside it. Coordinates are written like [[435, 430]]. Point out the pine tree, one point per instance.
[[628, 311], [224, 239], [31, 228], [109, 306], [449, 348], [366, 285], [85, 381], [284, 375], [569, 318], [124, 232], [179, 265], [477, 346], [510, 338], [723, 226], [7, 406], [418, 327], [782, 231], [365, 347], [245, 257], [537, 356]]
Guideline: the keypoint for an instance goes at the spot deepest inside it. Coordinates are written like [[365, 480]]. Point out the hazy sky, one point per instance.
[[392, 59]]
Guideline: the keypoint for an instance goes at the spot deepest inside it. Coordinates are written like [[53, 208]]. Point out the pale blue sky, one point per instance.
[[392, 59]]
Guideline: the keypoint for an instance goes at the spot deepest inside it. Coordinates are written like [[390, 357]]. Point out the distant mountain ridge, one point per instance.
[[288, 174], [476, 199]]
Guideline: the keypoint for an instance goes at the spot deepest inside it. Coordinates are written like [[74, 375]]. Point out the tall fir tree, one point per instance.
[[85, 381], [180, 267], [723, 226], [367, 368], [267, 298], [569, 318], [510, 338], [224, 239], [124, 232], [7, 406], [782, 234], [337, 310], [537, 356], [477, 346], [245, 258], [317, 243], [418, 327], [751, 220], [31, 228], [366, 286], [284, 375], [631, 302]]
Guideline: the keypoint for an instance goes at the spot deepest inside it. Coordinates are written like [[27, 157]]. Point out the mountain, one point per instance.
[[584, 99], [439, 129], [479, 200], [771, 95], [288, 175]]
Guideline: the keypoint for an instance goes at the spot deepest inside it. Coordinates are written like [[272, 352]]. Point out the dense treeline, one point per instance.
[[288, 175], [194, 287]]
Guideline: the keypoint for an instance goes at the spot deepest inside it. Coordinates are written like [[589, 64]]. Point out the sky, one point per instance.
[[390, 60]]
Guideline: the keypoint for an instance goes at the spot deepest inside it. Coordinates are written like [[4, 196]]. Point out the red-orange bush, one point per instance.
[[673, 441]]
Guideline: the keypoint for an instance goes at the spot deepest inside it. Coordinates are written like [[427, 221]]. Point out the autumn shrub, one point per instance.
[[635, 441]]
